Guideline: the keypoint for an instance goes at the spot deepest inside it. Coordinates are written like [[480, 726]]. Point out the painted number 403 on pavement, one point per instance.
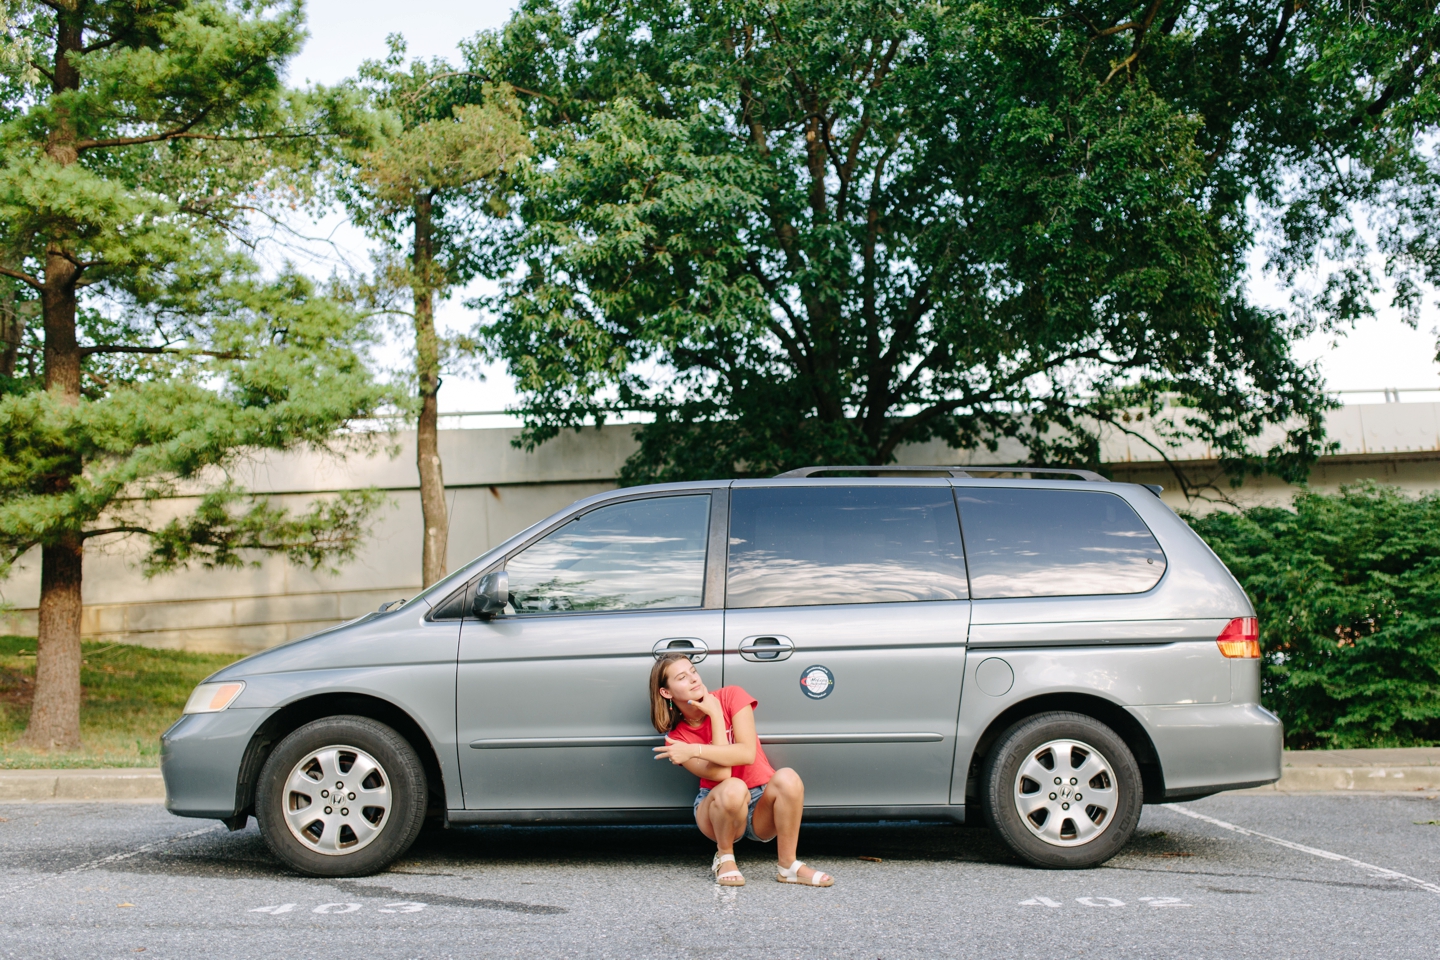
[[1104, 902], [399, 906]]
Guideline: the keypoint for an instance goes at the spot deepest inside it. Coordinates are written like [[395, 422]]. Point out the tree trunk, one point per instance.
[[434, 557], [55, 712], [12, 331]]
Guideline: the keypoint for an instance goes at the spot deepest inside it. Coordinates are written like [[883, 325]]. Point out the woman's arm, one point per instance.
[[713, 761]]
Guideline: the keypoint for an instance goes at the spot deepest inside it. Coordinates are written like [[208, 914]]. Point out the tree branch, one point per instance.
[[109, 530], [172, 134], [1122, 65], [1188, 489], [125, 348], [553, 101], [1278, 37], [100, 44], [23, 277], [449, 75], [796, 345], [906, 425]]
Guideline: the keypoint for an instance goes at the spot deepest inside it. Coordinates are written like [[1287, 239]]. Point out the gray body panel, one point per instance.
[[895, 737], [397, 658], [885, 732], [200, 757], [1206, 748], [552, 710]]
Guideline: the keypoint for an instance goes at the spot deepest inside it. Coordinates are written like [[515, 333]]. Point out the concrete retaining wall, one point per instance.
[[496, 490]]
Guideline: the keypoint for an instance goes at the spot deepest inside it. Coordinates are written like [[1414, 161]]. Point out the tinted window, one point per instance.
[[797, 546], [1056, 543], [639, 555]]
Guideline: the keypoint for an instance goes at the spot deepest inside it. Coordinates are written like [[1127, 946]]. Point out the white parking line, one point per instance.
[[1378, 872], [113, 858]]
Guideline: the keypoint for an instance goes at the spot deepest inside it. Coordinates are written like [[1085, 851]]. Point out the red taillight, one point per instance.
[[1240, 639]]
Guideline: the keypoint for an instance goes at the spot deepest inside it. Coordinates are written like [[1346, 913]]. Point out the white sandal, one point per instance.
[[791, 874], [726, 879]]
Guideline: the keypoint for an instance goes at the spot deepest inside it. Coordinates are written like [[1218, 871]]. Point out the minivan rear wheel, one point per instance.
[[341, 797], [1062, 790]]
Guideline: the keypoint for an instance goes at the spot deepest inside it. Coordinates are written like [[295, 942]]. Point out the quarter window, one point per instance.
[[801, 545], [637, 555], [1055, 543]]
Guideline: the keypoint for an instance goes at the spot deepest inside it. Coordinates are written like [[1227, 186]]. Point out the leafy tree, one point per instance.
[[139, 140], [1348, 592], [442, 167], [812, 231]]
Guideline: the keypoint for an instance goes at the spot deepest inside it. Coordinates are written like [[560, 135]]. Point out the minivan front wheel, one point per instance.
[[1062, 790], [341, 797]]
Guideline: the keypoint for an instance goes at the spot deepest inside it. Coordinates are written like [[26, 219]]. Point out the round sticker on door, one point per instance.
[[816, 682]]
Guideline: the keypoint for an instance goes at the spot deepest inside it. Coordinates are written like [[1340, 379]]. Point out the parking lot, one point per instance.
[[1227, 877]]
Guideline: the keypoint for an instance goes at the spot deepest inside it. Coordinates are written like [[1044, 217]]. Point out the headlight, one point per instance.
[[213, 697]]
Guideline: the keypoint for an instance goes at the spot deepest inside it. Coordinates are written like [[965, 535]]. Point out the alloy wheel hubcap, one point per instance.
[[1066, 793], [337, 800]]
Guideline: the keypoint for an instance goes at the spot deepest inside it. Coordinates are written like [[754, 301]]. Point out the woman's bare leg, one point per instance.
[[721, 815], [778, 815]]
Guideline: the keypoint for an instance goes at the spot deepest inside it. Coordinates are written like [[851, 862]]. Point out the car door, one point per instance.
[[846, 618], [551, 701]]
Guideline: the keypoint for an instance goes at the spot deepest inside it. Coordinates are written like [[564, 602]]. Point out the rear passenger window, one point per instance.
[[1055, 543], [800, 546], [636, 555]]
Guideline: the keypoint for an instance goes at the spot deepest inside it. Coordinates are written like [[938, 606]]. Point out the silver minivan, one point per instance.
[[1041, 654]]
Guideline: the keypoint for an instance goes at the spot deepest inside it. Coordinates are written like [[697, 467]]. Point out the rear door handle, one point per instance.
[[765, 649], [692, 647]]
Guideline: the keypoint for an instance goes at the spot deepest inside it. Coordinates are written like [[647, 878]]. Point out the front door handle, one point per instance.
[[765, 649], [692, 647]]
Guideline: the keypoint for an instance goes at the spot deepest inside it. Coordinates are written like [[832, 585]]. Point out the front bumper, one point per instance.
[[200, 759], [1206, 748]]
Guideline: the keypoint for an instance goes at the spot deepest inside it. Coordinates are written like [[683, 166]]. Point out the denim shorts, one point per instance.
[[755, 794]]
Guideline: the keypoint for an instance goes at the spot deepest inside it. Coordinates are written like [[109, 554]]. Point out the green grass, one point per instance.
[[131, 694]]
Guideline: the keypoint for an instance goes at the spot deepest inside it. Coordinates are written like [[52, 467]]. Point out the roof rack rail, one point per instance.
[[952, 469], [1026, 468]]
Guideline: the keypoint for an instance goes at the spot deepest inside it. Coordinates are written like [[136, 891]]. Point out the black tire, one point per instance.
[[395, 820], [1051, 836]]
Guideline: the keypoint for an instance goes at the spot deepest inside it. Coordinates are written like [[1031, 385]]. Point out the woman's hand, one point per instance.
[[676, 752], [710, 705]]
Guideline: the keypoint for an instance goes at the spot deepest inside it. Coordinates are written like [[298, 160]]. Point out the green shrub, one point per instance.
[[1347, 588]]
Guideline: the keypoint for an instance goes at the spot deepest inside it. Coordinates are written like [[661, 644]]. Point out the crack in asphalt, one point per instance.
[[106, 861]]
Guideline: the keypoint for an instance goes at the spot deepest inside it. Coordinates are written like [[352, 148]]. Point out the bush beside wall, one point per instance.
[[1347, 588]]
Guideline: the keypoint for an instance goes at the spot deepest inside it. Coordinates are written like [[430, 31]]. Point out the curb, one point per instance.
[[1353, 780], [1385, 770], [135, 785]]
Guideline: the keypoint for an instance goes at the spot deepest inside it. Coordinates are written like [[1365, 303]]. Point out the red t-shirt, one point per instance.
[[732, 701]]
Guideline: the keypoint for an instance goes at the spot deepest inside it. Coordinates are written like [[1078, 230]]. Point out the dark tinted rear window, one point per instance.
[[799, 546], [1056, 543]]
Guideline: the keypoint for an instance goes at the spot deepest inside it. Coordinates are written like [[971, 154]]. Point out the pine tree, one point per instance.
[[140, 142]]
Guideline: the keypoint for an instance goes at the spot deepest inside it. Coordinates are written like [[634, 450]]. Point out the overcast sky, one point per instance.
[[1382, 353]]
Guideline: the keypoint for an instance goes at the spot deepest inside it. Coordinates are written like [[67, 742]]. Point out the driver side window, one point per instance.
[[637, 555]]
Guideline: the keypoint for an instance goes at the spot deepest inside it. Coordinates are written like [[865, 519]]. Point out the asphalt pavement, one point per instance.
[[1237, 876]]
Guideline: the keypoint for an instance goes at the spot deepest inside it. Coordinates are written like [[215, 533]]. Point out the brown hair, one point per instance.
[[663, 712]]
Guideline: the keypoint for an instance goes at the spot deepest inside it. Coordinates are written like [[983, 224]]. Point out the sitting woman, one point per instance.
[[713, 736]]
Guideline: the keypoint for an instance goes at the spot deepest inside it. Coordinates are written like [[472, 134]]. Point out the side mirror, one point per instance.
[[492, 594]]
